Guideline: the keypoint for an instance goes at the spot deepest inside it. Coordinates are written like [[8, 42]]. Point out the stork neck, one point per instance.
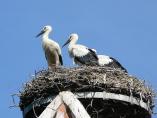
[[45, 35], [73, 42]]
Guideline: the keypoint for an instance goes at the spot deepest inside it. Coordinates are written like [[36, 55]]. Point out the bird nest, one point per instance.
[[47, 83]]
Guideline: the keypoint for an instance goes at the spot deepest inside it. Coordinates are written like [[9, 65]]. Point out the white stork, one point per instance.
[[81, 54], [51, 48], [105, 60]]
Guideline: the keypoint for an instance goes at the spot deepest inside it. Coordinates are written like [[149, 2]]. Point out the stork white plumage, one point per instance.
[[51, 48], [81, 54], [108, 61]]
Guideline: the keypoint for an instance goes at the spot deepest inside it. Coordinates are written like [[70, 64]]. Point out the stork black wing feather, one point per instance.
[[60, 59], [93, 52], [115, 63], [90, 59]]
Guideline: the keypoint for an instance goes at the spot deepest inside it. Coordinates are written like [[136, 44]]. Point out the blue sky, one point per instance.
[[124, 29]]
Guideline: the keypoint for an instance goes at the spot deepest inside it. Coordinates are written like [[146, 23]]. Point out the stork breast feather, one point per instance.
[[54, 46], [80, 51]]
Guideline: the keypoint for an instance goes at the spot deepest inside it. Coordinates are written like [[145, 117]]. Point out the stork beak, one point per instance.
[[68, 41], [42, 32]]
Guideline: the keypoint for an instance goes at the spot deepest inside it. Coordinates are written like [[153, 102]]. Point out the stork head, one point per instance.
[[45, 29], [72, 38]]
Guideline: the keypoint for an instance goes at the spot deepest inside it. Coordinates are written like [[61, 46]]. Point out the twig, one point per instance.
[[34, 112]]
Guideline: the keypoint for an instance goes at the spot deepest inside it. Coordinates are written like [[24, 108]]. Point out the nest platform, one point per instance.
[[104, 92]]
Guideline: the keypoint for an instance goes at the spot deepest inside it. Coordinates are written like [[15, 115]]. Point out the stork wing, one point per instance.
[[116, 64], [85, 56], [59, 53], [58, 50], [53, 58], [60, 60], [93, 53]]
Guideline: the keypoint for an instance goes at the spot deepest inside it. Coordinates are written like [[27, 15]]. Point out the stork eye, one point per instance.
[[45, 28]]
